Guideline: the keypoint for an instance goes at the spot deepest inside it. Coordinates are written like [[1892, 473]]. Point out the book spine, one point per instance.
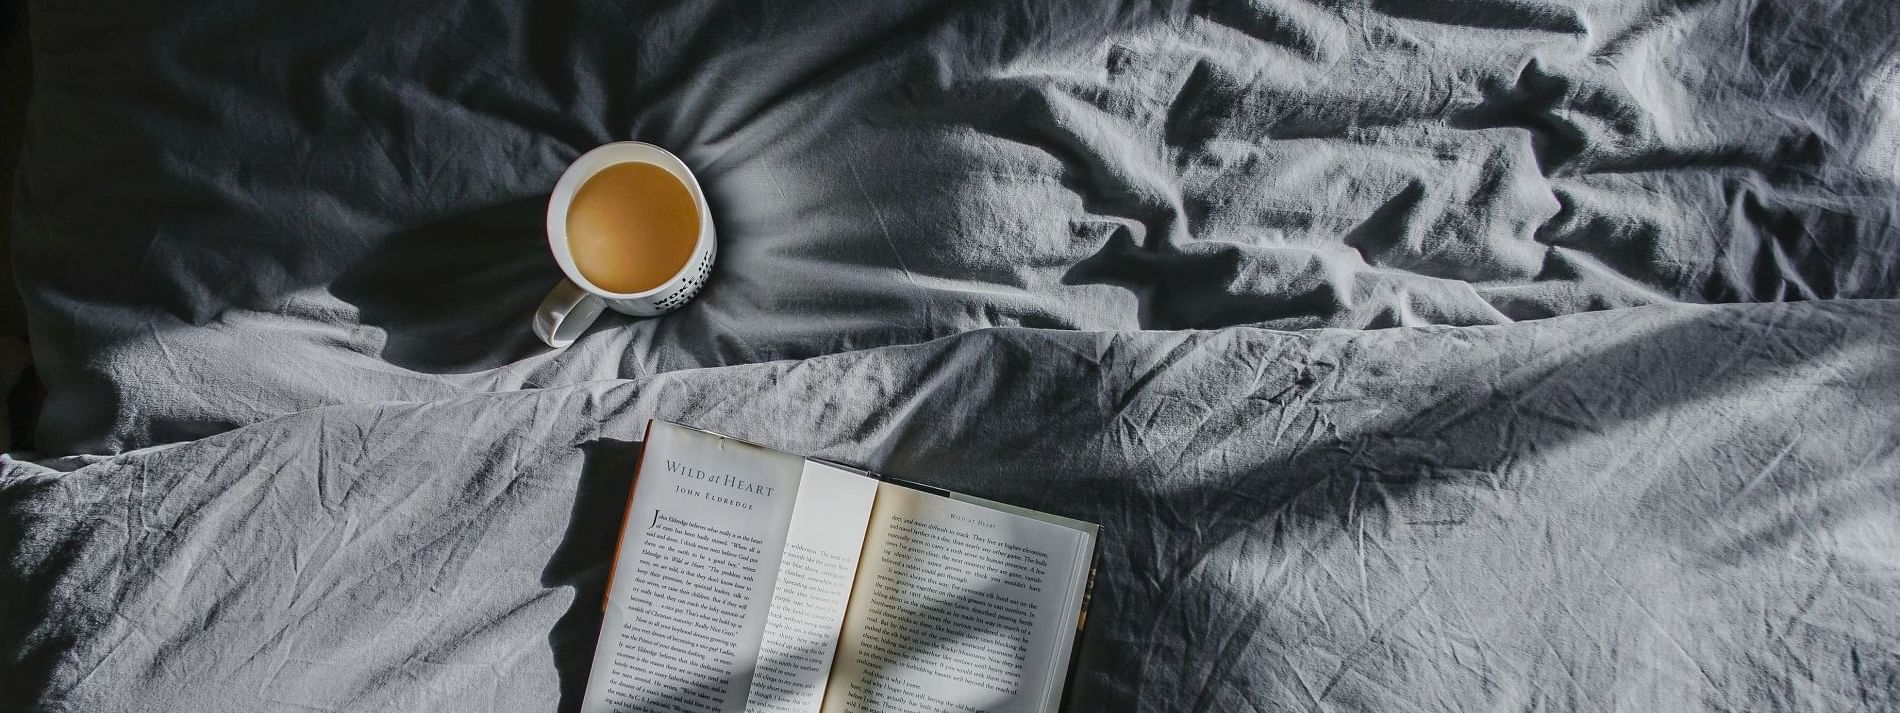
[[1071, 679], [914, 485], [626, 518]]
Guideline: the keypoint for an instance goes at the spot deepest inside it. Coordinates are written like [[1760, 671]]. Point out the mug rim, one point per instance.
[[592, 162]]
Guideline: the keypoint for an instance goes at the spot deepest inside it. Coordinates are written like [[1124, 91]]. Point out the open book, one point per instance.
[[750, 579]]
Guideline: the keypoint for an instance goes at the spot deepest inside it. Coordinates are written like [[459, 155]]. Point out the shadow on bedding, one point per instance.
[[585, 556], [1709, 488], [455, 296]]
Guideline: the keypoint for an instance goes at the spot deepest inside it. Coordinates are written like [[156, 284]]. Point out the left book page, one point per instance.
[[700, 558]]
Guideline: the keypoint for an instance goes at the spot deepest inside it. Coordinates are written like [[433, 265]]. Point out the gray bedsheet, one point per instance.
[[1654, 509], [235, 210], [1438, 428]]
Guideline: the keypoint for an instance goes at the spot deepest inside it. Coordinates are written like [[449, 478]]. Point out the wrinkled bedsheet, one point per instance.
[[231, 211], [1656, 509], [1390, 341]]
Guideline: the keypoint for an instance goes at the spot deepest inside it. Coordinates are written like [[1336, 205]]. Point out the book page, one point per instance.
[[693, 580], [959, 607], [814, 585]]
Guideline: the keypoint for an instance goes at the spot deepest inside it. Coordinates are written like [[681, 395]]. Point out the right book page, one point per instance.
[[959, 607]]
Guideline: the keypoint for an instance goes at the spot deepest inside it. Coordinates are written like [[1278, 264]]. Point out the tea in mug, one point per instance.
[[631, 227]]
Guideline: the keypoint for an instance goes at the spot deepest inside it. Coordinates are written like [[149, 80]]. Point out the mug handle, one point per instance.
[[565, 314]]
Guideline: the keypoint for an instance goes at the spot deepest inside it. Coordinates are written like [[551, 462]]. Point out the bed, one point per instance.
[[1496, 355]]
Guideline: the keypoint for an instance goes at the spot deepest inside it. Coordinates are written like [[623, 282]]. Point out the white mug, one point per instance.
[[576, 303]]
